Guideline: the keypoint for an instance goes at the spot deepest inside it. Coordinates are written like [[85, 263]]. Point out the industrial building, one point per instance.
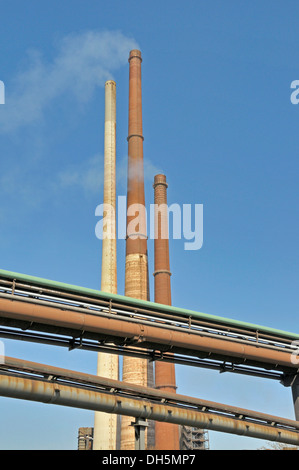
[[190, 438]]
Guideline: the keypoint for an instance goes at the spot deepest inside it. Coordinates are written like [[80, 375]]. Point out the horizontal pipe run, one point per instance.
[[71, 289], [64, 395], [136, 318], [86, 345], [99, 303], [14, 365], [143, 336]]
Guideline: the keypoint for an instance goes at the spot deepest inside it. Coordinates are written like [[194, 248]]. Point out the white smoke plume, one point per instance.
[[82, 62]]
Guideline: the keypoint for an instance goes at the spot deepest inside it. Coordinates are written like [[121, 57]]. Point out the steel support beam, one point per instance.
[[140, 427], [295, 393]]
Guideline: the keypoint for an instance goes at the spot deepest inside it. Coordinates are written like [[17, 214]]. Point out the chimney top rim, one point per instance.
[[110, 82], [135, 53]]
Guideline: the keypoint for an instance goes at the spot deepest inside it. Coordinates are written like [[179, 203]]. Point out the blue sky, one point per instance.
[[217, 120]]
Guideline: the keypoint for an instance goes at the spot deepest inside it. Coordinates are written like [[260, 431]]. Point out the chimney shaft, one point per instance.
[[135, 370], [166, 434], [105, 425], [136, 233]]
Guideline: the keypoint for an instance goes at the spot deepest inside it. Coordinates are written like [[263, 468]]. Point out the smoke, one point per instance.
[[144, 170], [88, 176], [140, 170], [71, 72], [81, 63]]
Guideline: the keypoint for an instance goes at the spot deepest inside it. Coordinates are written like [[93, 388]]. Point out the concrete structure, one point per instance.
[[166, 434], [105, 425], [85, 438], [136, 271]]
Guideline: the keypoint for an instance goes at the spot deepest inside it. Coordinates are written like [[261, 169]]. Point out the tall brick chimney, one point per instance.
[[135, 370], [166, 434]]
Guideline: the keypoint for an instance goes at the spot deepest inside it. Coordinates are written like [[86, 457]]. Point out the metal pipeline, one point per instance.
[[39, 286], [12, 365], [111, 329], [80, 397]]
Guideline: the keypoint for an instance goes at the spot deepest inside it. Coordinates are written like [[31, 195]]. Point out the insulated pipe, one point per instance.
[[135, 370], [77, 397], [23, 281], [12, 366], [109, 328], [166, 434], [105, 425]]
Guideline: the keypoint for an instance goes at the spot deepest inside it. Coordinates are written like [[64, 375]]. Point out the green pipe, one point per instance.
[[144, 304]]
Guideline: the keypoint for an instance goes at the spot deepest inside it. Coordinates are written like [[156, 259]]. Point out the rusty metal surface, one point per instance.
[[51, 392], [14, 282], [110, 328], [13, 365]]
